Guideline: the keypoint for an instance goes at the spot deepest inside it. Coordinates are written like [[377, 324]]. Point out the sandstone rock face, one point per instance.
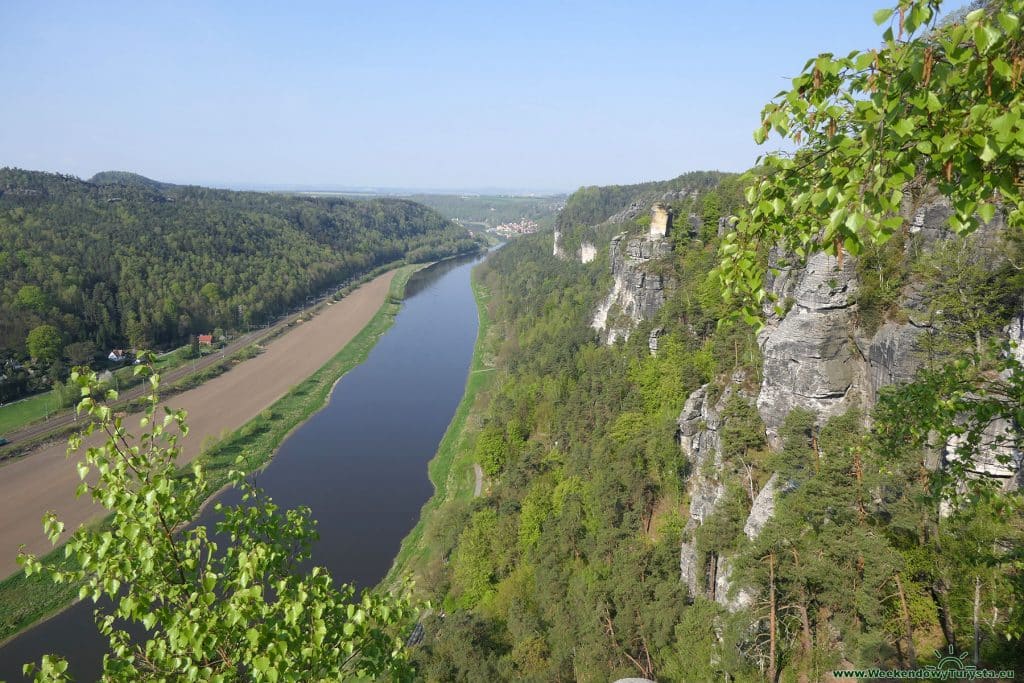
[[694, 225], [816, 358], [700, 426], [763, 508], [661, 221], [652, 340], [701, 445], [731, 597], [724, 225], [627, 214], [588, 252], [637, 294], [810, 359], [1015, 333], [559, 250], [998, 457], [892, 356]]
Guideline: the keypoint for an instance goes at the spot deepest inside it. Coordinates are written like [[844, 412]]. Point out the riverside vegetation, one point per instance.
[[569, 567]]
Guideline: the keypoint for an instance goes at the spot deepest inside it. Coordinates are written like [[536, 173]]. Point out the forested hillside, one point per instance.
[[124, 261], [594, 204], [641, 519]]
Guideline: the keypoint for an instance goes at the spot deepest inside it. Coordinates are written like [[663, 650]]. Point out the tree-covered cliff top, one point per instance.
[[594, 204]]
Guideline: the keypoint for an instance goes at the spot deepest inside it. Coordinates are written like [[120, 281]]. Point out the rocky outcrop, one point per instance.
[[626, 215], [637, 292], [661, 221], [763, 508], [701, 445], [810, 358], [700, 425], [729, 596], [558, 250], [652, 340], [892, 355], [815, 358], [1015, 335], [588, 252], [998, 455]]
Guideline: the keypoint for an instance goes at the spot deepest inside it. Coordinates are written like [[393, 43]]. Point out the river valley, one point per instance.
[[360, 463]]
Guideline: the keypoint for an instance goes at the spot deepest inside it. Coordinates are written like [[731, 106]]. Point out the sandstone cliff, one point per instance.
[[638, 292], [817, 357]]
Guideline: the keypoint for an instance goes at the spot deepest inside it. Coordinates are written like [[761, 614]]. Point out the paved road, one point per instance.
[[46, 479], [478, 488]]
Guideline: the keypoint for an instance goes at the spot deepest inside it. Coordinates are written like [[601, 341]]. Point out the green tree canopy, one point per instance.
[[935, 105], [31, 297], [44, 343]]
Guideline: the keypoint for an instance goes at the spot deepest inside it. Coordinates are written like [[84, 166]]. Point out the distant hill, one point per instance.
[[127, 178], [125, 261]]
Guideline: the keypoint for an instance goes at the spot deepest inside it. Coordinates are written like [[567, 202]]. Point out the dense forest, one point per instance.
[[569, 569], [125, 261]]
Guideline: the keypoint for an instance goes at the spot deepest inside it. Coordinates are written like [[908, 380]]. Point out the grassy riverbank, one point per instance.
[[26, 600], [451, 470]]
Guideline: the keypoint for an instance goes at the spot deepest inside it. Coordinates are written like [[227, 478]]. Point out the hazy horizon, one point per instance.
[[400, 96]]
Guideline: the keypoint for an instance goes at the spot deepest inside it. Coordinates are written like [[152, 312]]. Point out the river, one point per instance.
[[360, 464]]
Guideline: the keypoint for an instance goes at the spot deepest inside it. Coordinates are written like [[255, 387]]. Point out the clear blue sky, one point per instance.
[[527, 95]]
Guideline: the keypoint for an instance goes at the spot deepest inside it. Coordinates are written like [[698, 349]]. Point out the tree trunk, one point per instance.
[[908, 627], [977, 623], [712, 576], [772, 673], [938, 591], [806, 642]]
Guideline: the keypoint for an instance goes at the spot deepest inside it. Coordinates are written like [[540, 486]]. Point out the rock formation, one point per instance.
[[661, 221], [700, 426], [588, 252], [700, 442], [638, 291], [815, 357], [558, 251], [652, 340]]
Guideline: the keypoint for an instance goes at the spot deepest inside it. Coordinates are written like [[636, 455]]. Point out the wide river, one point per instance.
[[360, 463]]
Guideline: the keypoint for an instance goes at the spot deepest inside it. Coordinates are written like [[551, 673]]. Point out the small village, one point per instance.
[[520, 227]]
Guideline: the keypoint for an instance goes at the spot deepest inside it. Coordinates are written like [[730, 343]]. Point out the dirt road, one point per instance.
[[46, 479]]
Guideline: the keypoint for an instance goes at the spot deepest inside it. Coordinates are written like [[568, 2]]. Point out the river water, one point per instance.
[[360, 463]]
